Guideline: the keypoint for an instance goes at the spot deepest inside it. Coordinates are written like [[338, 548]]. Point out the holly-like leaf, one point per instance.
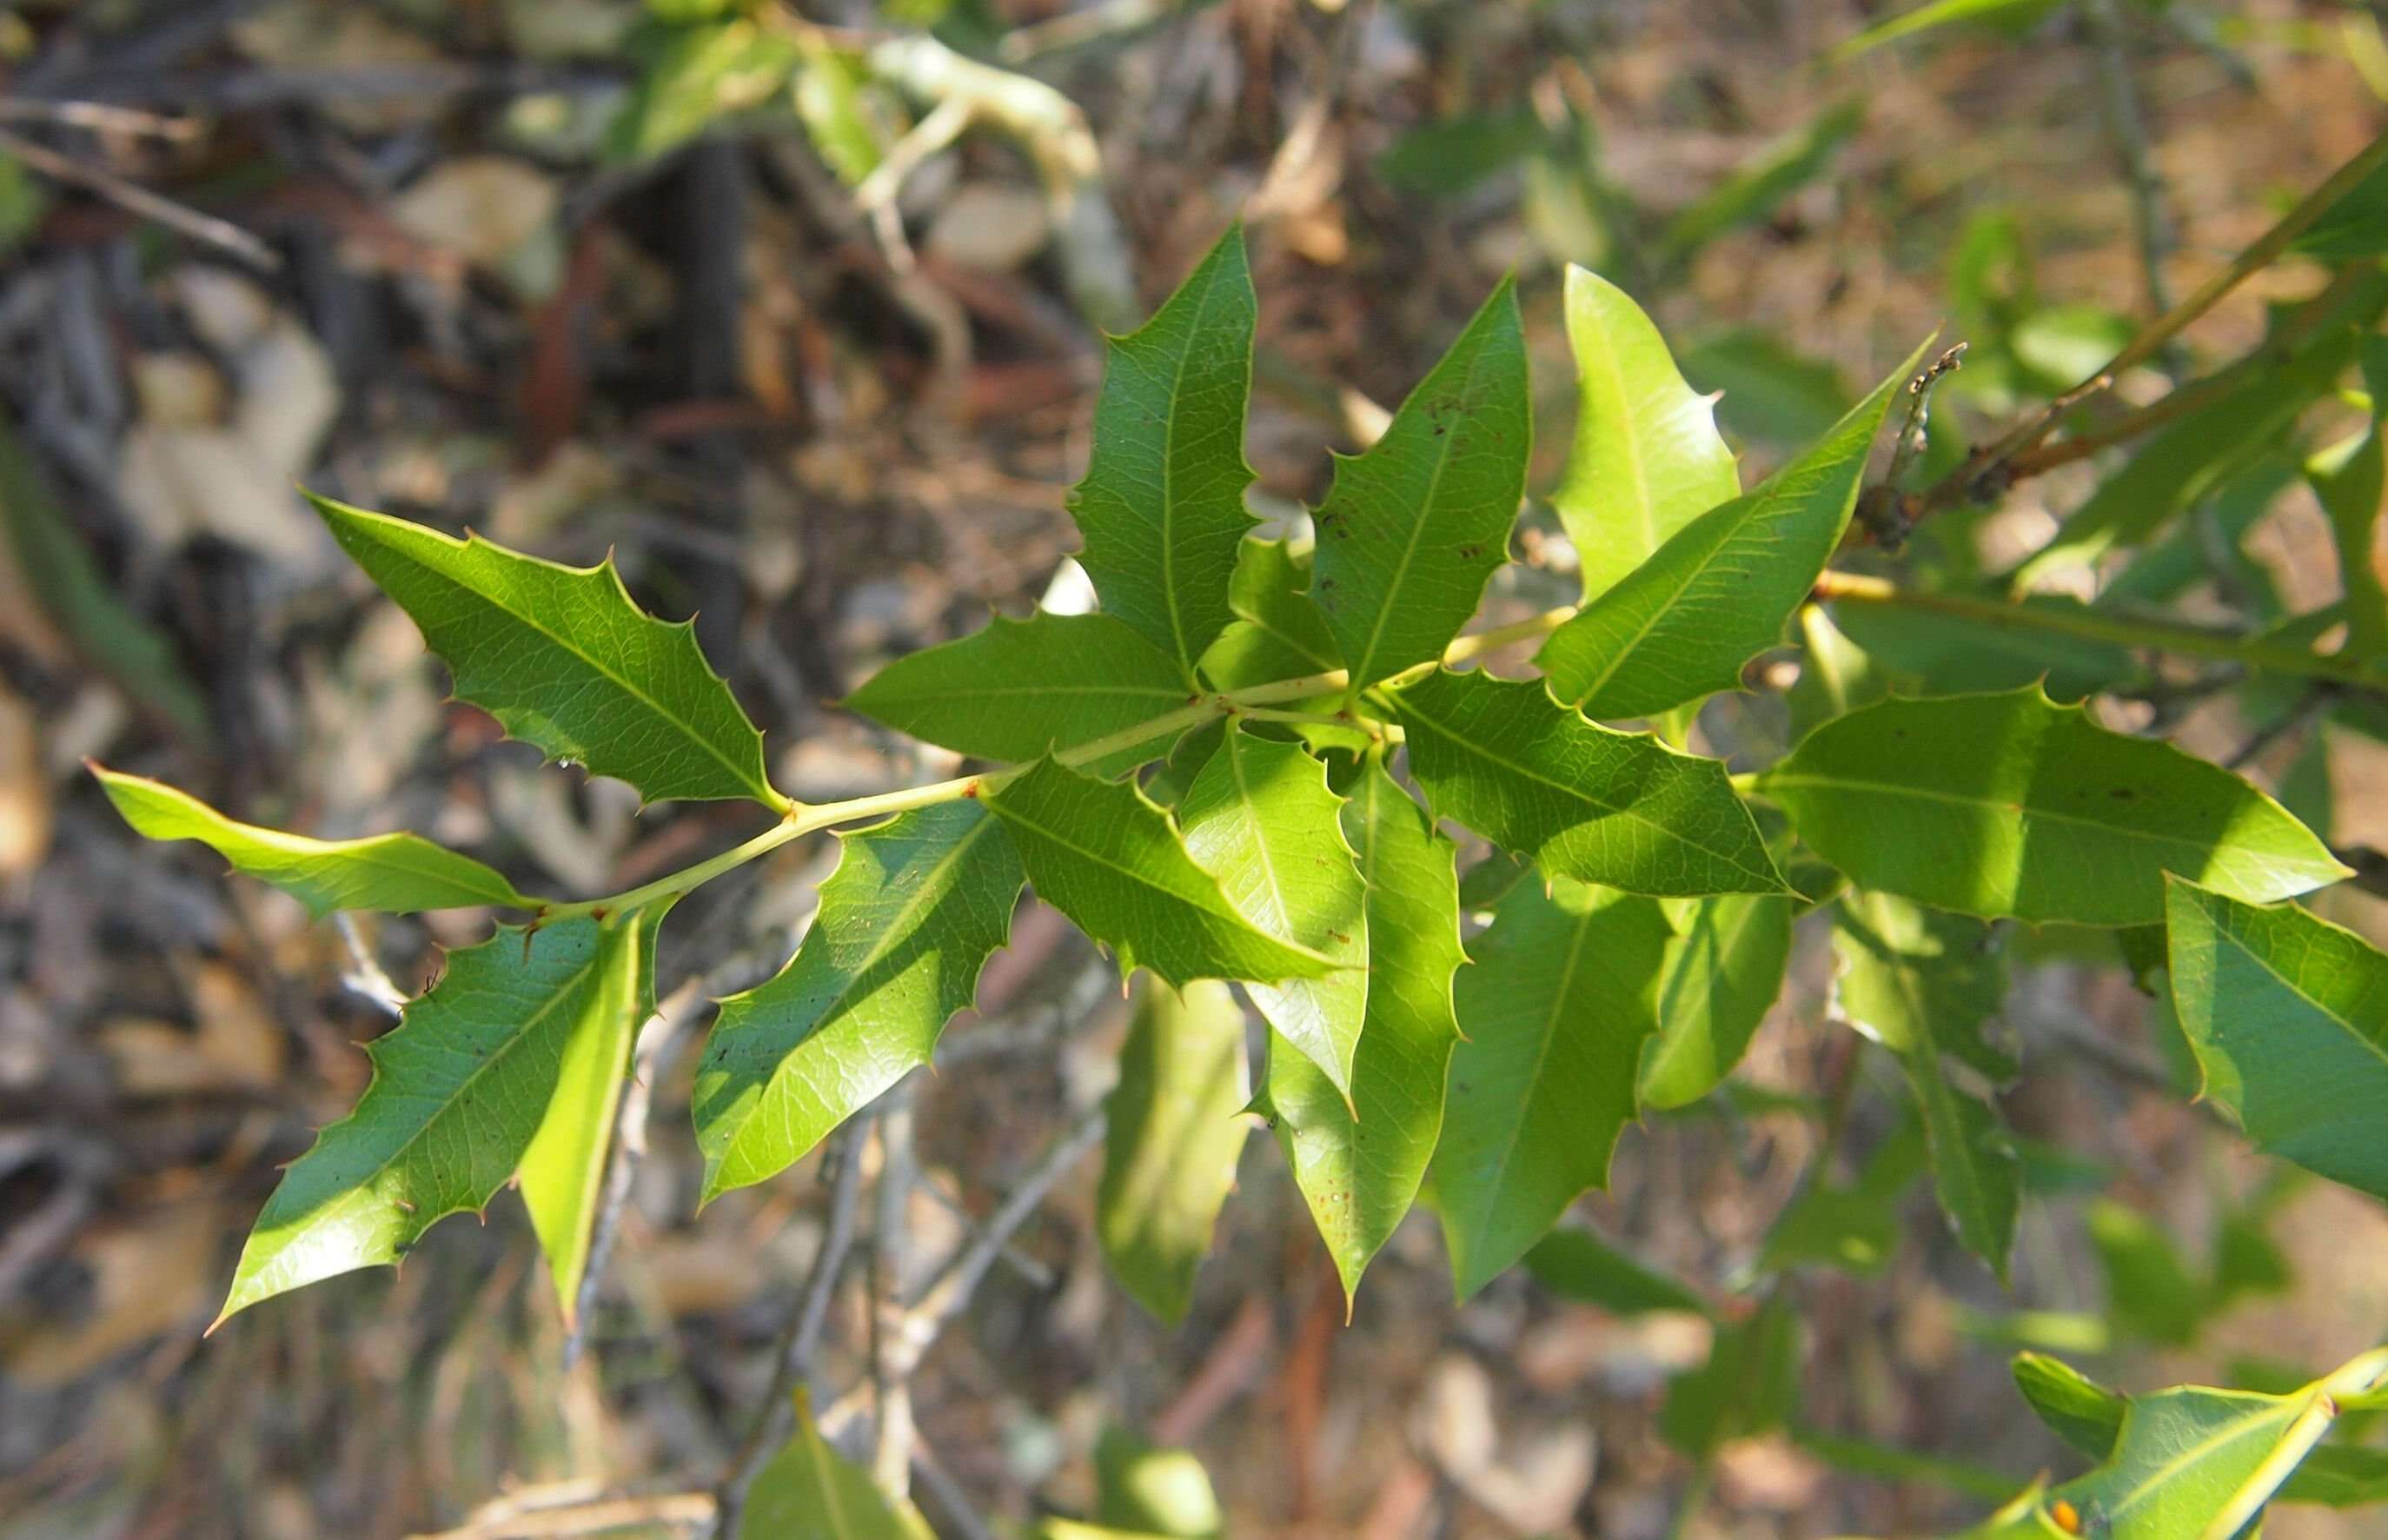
[[1161, 506], [1647, 458], [811, 1492], [1259, 818], [1019, 688], [564, 659], [1173, 1140], [2288, 1016], [1556, 1006], [392, 873], [1412, 531], [1725, 967], [1680, 625], [1277, 633], [2010, 805], [1922, 985], [911, 915], [1618, 808], [1359, 1162], [1102, 854], [460, 1091]]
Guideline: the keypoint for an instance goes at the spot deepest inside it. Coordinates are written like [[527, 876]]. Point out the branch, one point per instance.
[[221, 234]]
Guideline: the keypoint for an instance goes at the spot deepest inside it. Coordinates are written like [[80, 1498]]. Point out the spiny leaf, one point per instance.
[[1259, 818], [1725, 967], [1173, 1140], [1411, 530], [458, 1091], [1647, 458], [1359, 1163], [1161, 506], [393, 874], [1019, 688], [2288, 1016], [565, 660], [1618, 808], [1110, 860], [2010, 805], [1680, 625], [1277, 633], [1922, 985], [810, 1492], [1556, 1006], [911, 915]]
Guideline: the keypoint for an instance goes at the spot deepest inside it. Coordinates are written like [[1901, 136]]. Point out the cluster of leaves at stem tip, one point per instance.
[[1264, 761]]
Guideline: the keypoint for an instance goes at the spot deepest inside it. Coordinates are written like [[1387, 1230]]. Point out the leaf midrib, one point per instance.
[[1587, 799], [2194, 1453], [1187, 651], [1660, 611], [2020, 809], [1559, 1002], [760, 789], [2224, 932]]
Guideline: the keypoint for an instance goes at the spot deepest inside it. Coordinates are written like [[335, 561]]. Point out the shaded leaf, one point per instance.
[[1021, 688], [1753, 192], [1277, 633], [2350, 484], [693, 75], [1103, 855], [2085, 1414], [1175, 1137], [1725, 967], [1618, 808], [1556, 1006], [563, 659], [1853, 1228], [1765, 390], [1450, 155], [1161, 506], [393, 874], [1749, 1385], [2011, 805], [1682, 625], [2288, 1016], [1412, 530], [1359, 1165], [811, 1492], [2013, 13], [1144, 1489], [1646, 459], [1957, 654], [1259, 818], [2149, 1293], [911, 915], [1575, 1263], [458, 1091]]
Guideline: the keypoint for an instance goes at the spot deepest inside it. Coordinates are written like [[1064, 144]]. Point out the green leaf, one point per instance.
[[394, 873], [1562, 995], [1575, 1263], [1648, 458], [1753, 192], [563, 1169], [1948, 654], [2149, 1293], [694, 75], [1884, 1462], [2085, 1414], [1448, 156], [1836, 674], [1175, 1135], [2288, 1016], [1259, 818], [1749, 1385], [810, 1492], [2013, 15], [563, 659], [1359, 1163], [2010, 805], [1853, 1228], [1680, 625], [1766, 391], [2350, 485], [1143, 1489], [460, 1091], [1922, 984], [911, 915], [1161, 506], [1103, 855], [2354, 227], [1725, 967], [1412, 531], [2197, 1463], [839, 105], [1019, 688], [1277, 633], [1619, 809]]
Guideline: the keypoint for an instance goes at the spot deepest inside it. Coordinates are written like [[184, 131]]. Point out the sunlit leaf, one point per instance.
[[1725, 967], [914, 910], [811, 1492], [1412, 530], [395, 873], [2011, 805]]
